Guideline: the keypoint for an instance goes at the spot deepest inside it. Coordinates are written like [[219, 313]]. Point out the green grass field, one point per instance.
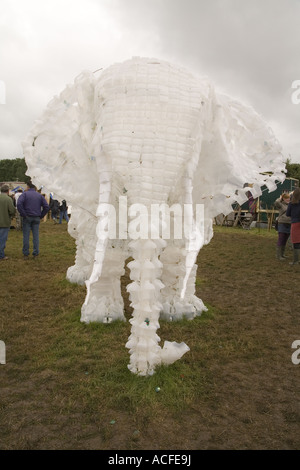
[[66, 385]]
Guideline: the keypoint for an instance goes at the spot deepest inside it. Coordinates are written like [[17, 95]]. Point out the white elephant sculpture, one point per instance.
[[143, 133]]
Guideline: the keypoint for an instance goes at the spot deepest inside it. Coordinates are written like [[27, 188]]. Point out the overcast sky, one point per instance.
[[250, 49]]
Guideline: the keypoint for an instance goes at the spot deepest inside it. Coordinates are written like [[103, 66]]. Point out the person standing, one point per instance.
[[32, 207], [54, 208], [7, 211], [293, 211], [63, 212], [18, 217], [284, 224]]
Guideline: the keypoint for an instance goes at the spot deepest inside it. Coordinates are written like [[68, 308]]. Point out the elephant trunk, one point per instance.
[[145, 271]]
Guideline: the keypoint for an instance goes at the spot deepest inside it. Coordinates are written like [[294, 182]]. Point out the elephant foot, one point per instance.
[[176, 308], [78, 274], [103, 310]]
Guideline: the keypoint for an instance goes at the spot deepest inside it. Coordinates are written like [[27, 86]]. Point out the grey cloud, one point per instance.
[[250, 49]]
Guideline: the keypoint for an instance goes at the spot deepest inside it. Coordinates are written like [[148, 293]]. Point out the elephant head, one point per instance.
[[150, 133]]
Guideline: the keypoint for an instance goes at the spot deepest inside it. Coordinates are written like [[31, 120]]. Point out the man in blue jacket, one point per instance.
[[32, 206]]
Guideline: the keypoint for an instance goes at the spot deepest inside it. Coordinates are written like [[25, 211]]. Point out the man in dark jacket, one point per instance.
[[54, 208], [63, 214], [7, 211], [32, 207]]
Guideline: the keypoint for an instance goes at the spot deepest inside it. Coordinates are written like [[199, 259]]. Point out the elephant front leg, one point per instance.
[[105, 302], [174, 307]]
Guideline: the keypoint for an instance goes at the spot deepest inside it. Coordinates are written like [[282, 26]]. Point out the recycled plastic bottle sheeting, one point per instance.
[[155, 133]]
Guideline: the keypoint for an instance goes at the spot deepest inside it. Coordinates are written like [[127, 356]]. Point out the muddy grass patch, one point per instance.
[[66, 384]]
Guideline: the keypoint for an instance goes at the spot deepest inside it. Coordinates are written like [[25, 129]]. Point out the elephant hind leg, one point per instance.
[[105, 303], [85, 245]]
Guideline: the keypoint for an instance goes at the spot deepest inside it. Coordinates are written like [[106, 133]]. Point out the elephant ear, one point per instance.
[[57, 149], [238, 149]]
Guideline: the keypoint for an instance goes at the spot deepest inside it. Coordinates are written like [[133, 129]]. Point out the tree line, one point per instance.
[[14, 170], [293, 169]]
